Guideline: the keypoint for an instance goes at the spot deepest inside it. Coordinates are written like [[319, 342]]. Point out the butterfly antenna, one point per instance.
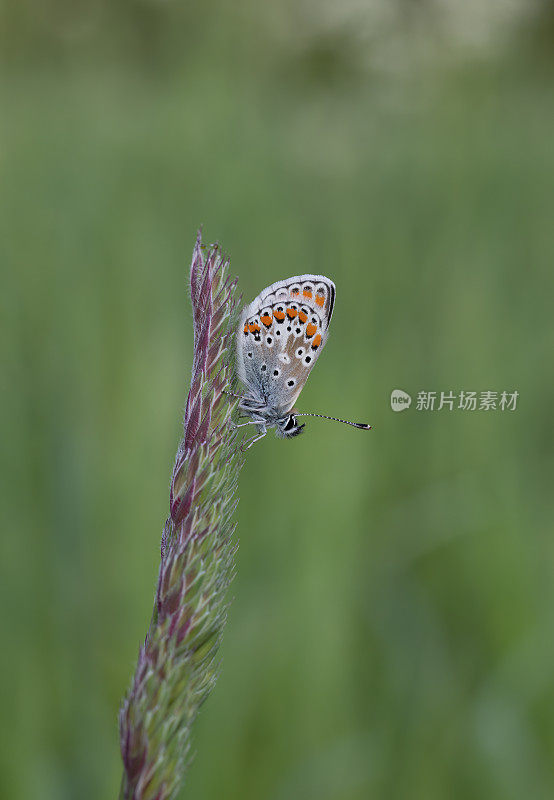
[[361, 425]]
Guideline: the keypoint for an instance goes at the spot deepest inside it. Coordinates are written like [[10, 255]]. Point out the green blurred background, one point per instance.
[[391, 631]]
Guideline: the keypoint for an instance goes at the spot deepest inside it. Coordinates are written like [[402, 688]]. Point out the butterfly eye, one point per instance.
[[291, 423]]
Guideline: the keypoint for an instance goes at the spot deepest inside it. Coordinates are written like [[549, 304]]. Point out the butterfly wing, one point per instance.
[[281, 335]]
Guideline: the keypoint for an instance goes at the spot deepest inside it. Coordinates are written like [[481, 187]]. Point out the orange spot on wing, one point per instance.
[[279, 315], [253, 328], [302, 316], [246, 328], [310, 329], [266, 319], [316, 342], [291, 313], [307, 293], [320, 299]]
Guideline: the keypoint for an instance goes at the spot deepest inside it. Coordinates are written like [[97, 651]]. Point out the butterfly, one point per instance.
[[280, 337]]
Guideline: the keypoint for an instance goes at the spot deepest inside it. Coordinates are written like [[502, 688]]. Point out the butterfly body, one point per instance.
[[281, 334]]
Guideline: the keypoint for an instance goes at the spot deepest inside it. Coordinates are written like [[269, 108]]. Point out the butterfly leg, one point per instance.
[[232, 394], [242, 424], [252, 441]]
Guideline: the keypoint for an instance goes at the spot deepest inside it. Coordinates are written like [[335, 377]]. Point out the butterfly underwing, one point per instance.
[[280, 337]]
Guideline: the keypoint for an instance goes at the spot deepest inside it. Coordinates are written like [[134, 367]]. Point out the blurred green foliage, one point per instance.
[[391, 631]]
